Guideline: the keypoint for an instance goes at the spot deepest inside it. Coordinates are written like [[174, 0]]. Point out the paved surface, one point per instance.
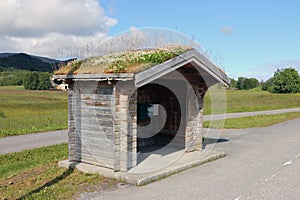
[[261, 164], [30, 141], [151, 169], [245, 114]]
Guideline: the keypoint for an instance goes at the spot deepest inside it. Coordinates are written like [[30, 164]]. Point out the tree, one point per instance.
[[247, 83], [286, 81], [266, 86], [241, 83], [253, 83], [44, 81], [37, 81], [31, 80], [233, 83], [12, 77]]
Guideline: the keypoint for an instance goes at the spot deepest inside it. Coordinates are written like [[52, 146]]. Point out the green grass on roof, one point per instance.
[[124, 62]]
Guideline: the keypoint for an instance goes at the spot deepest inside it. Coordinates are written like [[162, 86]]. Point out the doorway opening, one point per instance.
[[158, 118]]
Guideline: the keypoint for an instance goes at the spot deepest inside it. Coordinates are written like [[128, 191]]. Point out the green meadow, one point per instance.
[[23, 111], [251, 121], [254, 100]]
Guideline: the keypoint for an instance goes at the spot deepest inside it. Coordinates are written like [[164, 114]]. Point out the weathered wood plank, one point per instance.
[[97, 103], [94, 160], [95, 122], [97, 137], [101, 97], [96, 128], [97, 152], [84, 108]]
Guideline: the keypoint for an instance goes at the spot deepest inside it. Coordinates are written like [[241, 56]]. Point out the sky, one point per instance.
[[245, 38]]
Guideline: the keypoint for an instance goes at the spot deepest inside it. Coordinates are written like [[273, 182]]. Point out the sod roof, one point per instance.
[[123, 62]]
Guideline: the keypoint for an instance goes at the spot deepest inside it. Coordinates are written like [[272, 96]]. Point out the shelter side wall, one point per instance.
[[92, 111]]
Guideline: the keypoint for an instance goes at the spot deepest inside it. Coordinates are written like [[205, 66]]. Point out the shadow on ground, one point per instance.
[[64, 175], [207, 141]]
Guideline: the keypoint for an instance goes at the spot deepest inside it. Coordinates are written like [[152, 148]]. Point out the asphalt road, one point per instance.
[[262, 163], [31, 141]]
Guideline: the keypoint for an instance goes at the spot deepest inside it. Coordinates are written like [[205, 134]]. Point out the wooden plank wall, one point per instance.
[[93, 105]]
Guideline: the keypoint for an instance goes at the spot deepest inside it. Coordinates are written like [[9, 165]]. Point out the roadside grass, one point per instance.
[[20, 161], [19, 87], [254, 100], [24, 112], [251, 121], [33, 174]]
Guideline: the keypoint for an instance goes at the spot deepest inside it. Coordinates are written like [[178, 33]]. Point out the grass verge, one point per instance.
[[253, 100], [33, 174], [251, 121], [24, 112]]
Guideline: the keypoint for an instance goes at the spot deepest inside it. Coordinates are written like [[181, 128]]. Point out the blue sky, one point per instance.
[[246, 38]]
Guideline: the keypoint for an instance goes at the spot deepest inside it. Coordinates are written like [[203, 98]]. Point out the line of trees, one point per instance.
[[30, 80], [285, 80], [14, 77], [244, 83]]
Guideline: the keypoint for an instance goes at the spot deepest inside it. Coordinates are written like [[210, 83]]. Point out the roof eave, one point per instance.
[[192, 56], [119, 76]]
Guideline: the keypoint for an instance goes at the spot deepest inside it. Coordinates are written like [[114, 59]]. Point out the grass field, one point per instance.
[[33, 174], [31, 111], [255, 100], [251, 121]]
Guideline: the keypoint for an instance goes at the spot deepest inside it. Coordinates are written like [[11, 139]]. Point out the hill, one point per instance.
[[6, 54], [22, 61]]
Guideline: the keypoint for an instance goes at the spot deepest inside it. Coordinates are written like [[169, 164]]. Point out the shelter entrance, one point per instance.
[[159, 118]]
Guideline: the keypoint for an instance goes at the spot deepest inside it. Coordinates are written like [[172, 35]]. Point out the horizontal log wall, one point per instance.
[[91, 110]]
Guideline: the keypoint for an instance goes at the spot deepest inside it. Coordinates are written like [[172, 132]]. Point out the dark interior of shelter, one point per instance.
[[149, 97]]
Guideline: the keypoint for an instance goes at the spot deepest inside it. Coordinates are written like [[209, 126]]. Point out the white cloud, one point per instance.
[[47, 27], [226, 30]]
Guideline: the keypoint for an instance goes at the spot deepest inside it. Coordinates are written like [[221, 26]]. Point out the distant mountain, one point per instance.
[[47, 60], [6, 54], [22, 61]]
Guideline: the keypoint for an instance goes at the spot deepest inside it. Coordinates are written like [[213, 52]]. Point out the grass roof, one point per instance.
[[123, 62]]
